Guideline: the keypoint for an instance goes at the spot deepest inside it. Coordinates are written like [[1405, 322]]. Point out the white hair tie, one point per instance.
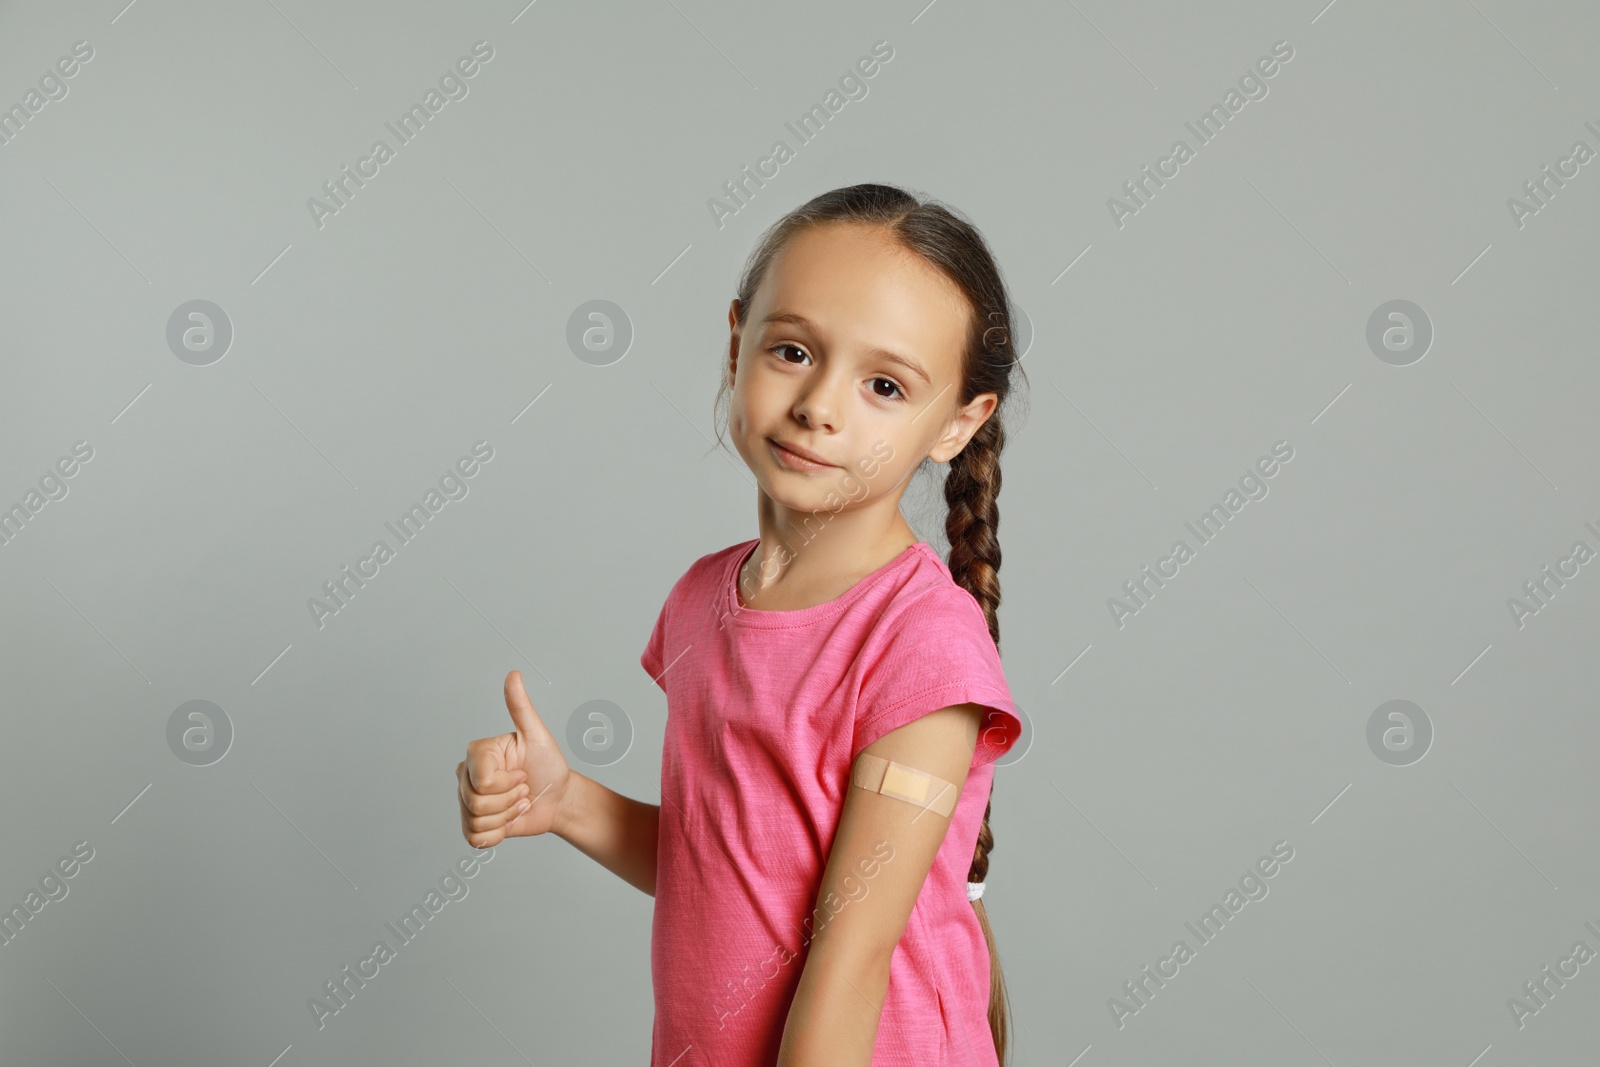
[[974, 890]]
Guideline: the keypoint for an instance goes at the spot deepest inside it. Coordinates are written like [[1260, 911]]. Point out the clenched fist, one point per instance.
[[512, 785]]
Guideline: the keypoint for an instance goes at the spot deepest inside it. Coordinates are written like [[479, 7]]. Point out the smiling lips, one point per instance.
[[798, 459]]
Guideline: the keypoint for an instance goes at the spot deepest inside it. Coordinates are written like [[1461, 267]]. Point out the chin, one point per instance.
[[794, 498]]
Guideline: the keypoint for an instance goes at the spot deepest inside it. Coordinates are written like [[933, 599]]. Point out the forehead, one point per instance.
[[864, 290]]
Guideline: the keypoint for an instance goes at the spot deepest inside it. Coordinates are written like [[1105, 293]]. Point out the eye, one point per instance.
[[900, 394], [784, 344]]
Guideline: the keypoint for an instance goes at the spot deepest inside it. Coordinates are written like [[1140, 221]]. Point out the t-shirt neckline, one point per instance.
[[803, 616]]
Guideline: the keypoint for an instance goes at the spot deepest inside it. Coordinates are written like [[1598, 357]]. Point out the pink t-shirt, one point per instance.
[[766, 712]]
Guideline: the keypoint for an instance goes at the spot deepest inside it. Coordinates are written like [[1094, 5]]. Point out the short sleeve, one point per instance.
[[936, 653], [651, 658]]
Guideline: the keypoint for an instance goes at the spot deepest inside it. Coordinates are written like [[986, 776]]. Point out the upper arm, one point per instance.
[[884, 847]]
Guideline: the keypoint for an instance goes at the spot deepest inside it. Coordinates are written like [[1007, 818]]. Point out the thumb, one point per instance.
[[523, 716]]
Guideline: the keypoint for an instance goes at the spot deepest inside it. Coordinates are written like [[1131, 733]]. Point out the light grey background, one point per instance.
[[370, 354]]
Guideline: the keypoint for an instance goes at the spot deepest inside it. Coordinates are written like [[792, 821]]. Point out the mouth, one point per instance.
[[798, 461]]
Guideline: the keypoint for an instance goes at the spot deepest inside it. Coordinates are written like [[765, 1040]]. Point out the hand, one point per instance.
[[512, 785]]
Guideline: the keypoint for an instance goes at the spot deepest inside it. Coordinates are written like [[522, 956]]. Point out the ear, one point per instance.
[[733, 340], [966, 422]]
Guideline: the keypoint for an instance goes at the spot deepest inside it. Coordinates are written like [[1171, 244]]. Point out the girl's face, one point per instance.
[[851, 351]]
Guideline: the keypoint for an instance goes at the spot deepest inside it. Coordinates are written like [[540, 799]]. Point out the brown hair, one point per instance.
[[948, 241]]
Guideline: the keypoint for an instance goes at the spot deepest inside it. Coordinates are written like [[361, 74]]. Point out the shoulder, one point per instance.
[[928, 603], [713, 564], [931, 650], [708, 570], [928, 625]]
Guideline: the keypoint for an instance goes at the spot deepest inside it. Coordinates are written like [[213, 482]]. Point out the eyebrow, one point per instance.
[[881, 353]]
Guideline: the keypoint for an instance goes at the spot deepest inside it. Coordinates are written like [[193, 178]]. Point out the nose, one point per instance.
[[817, 407]]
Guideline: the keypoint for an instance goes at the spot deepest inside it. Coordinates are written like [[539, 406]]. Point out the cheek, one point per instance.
[[882, 462], [739, 402], [761, 402]]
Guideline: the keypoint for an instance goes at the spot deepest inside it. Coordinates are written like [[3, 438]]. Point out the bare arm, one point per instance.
[[615, 831], [880, 858]]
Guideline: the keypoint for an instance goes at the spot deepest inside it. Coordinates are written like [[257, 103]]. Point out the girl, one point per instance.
[[835, 699]]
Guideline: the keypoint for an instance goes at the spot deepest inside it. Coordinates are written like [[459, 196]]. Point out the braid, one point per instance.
[[971, 490], [972, 525]]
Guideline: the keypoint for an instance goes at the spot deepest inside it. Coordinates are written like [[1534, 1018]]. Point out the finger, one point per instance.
[[523, 716], [461, 802], [492, 803], [472, 801], [486, 769], [482, 823]]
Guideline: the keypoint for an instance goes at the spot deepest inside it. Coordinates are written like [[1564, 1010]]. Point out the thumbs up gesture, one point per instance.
[[512, 785]]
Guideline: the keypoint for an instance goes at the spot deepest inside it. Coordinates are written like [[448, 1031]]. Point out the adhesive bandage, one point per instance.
[[904, 783]]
